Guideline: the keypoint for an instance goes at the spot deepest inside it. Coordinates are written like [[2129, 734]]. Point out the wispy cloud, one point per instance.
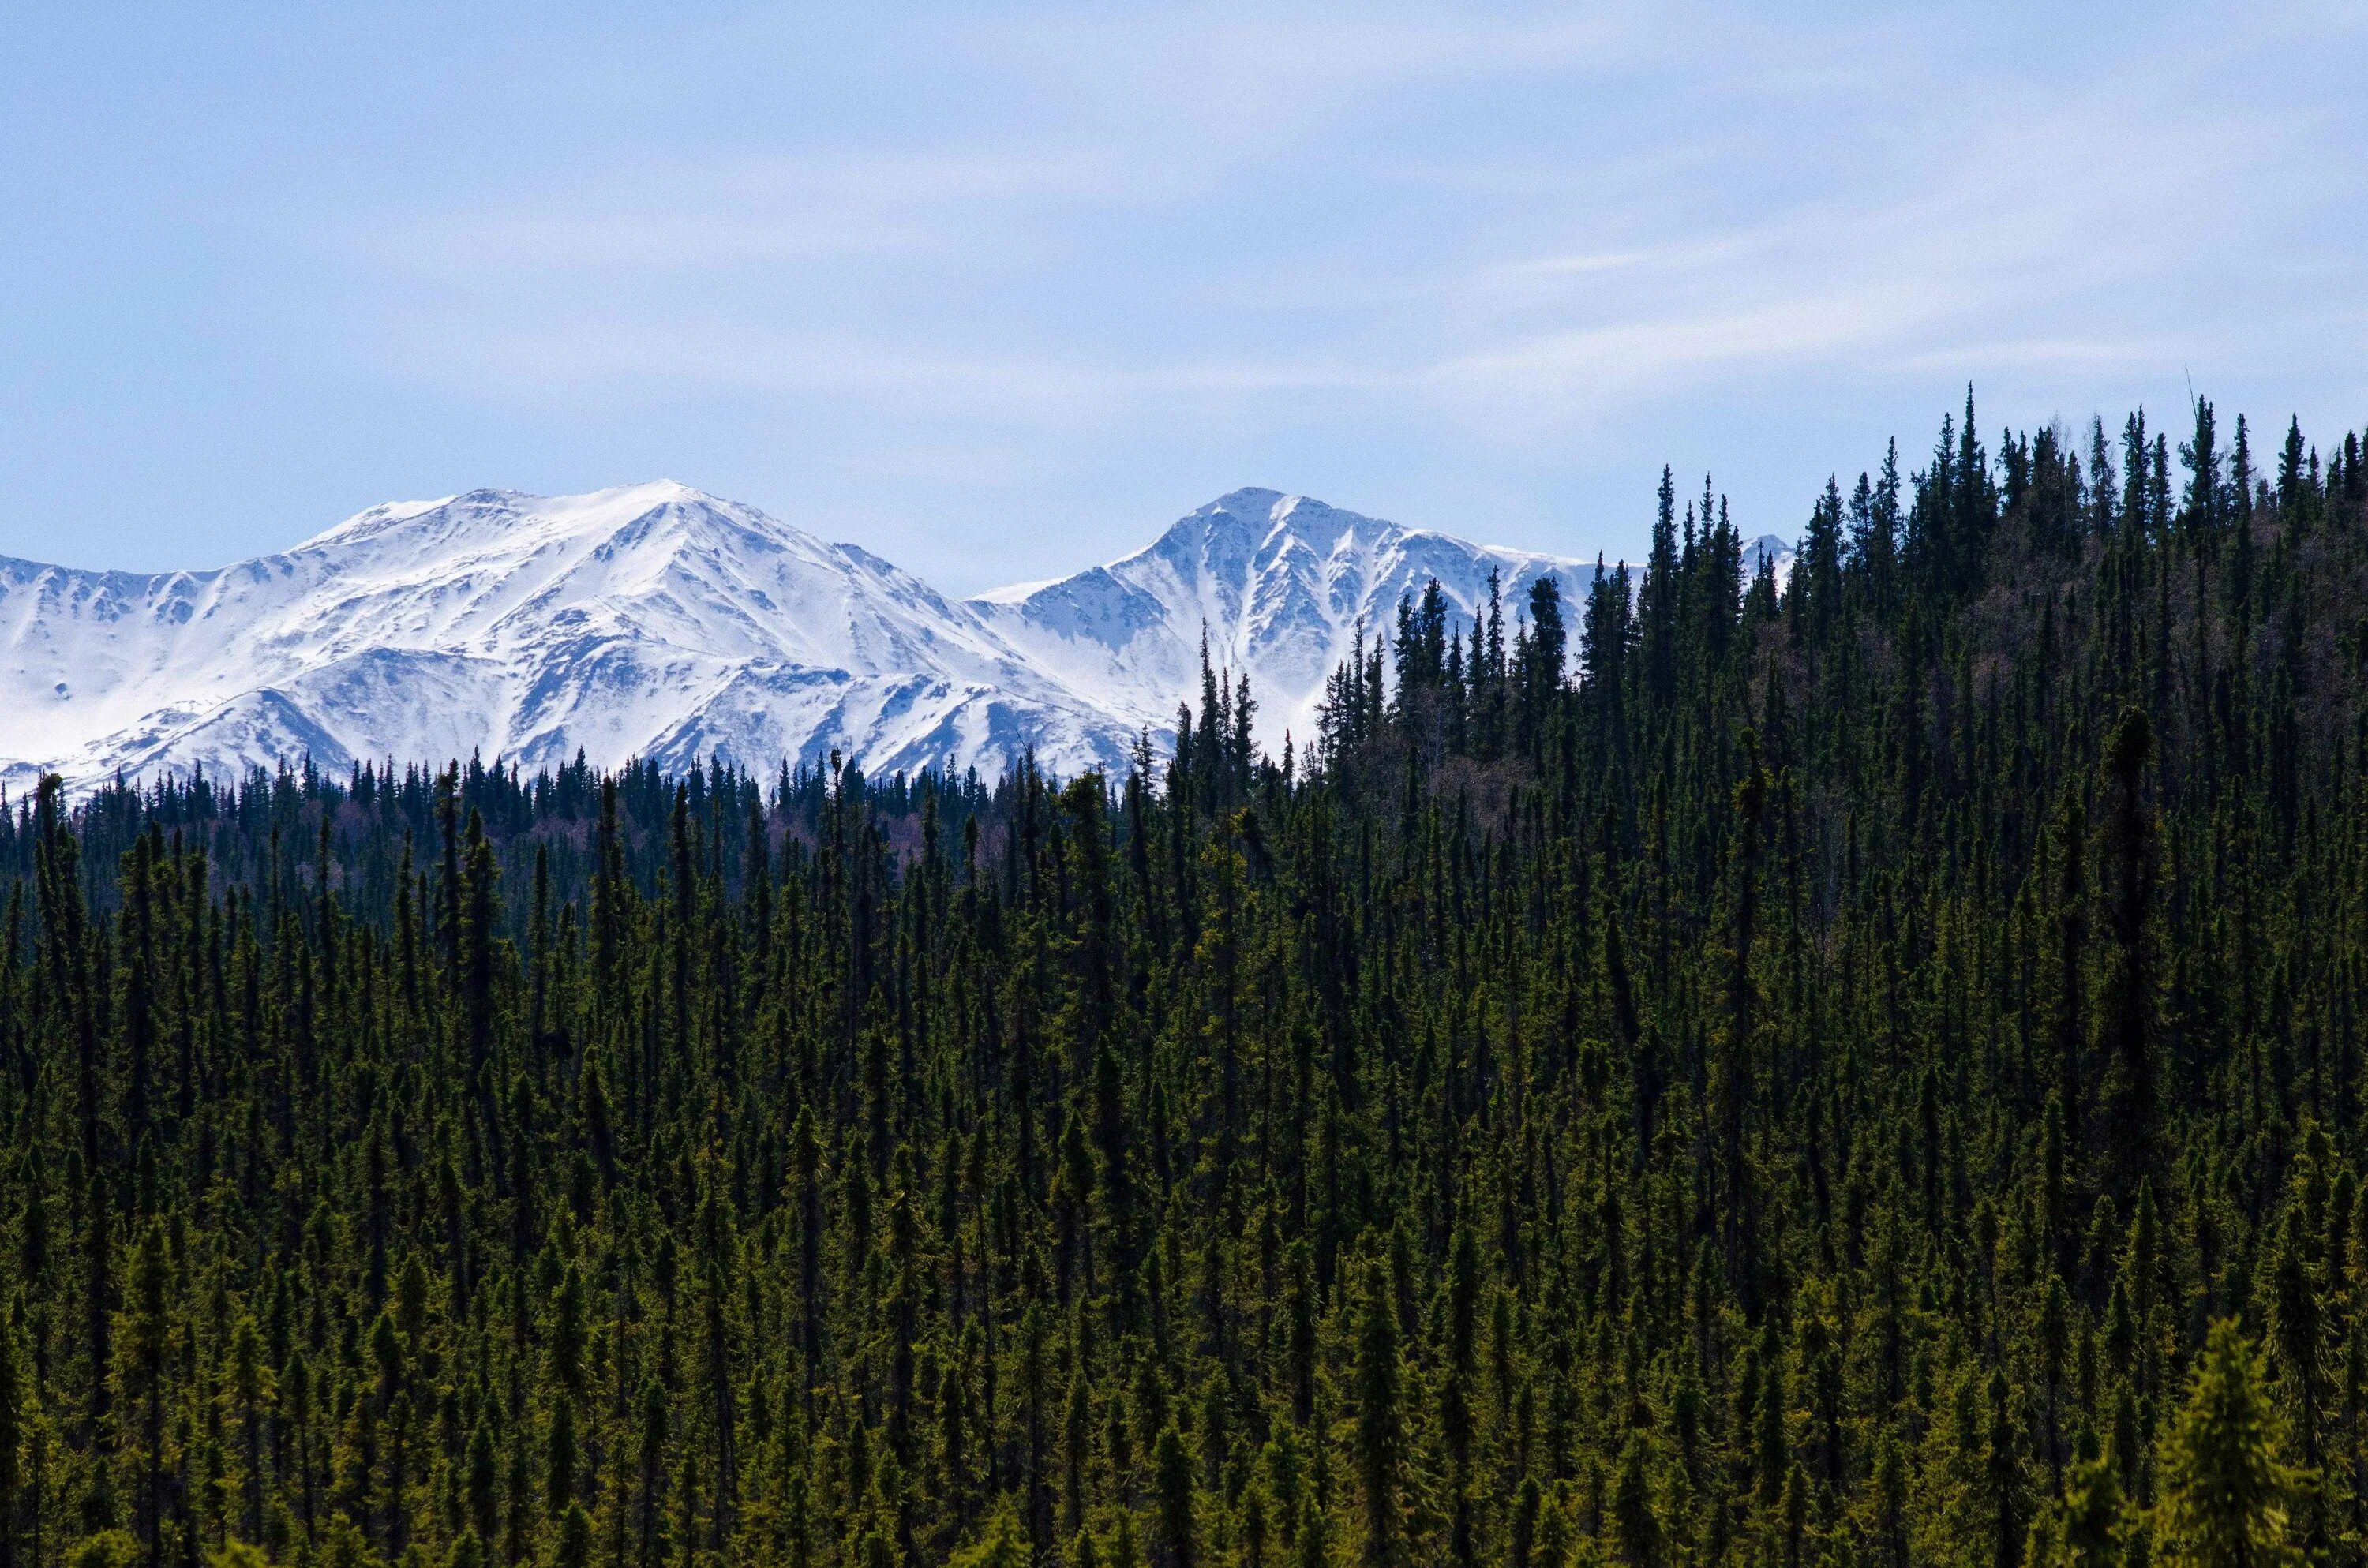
[[993, 281], [2026, 211], [1496, 232], [681, 216]]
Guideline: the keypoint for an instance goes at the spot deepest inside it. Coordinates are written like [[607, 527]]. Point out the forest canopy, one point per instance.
[[1682, 1070]]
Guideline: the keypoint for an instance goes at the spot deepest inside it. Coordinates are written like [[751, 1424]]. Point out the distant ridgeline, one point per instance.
[[1861, 1073]]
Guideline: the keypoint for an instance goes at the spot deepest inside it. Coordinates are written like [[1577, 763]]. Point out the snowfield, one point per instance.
[[656, 622]]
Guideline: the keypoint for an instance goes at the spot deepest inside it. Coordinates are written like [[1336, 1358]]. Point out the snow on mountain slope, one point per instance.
[[650, 621], [1771, 550], [1281, 584], [658, 622]]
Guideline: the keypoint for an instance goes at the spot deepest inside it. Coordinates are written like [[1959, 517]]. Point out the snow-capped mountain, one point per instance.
[[652, 621], [656, 622], [1281, 584]]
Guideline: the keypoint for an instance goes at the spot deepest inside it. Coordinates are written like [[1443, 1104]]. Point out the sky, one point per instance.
[[996, 292]]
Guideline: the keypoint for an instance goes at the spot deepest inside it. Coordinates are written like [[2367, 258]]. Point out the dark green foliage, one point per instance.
[[1795, 1079]]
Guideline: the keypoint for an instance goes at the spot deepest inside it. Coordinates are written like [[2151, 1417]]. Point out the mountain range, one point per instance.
[[660, 622]]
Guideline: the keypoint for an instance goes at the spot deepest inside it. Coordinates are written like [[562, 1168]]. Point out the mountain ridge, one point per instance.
[[658, 621], [1281, 583]]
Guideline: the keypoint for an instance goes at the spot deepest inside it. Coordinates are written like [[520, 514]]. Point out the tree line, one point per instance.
[[1858, 1071]]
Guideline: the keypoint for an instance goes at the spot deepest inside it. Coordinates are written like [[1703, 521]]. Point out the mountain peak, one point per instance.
[[645, 497], [488, 514], [1282, 586], [1249, 498], [657, 621], [1244, 528]]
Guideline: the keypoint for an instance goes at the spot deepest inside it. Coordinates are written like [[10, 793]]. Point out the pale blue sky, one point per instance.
[[995, 292]]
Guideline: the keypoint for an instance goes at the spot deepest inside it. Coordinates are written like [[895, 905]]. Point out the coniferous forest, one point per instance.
[[1679, 1074]]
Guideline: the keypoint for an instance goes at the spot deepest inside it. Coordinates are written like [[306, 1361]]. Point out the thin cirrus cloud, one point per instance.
[[2046, 211], [1558, 336], [993, 290], [685, 218]]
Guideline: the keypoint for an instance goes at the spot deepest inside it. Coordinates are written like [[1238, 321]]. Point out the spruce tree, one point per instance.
[[2228, 1495]]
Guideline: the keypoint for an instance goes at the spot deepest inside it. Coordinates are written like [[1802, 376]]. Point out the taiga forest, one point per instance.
[[1681, 1070]]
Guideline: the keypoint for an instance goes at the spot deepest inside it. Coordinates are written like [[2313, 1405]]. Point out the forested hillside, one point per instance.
[[1677, 1074]]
